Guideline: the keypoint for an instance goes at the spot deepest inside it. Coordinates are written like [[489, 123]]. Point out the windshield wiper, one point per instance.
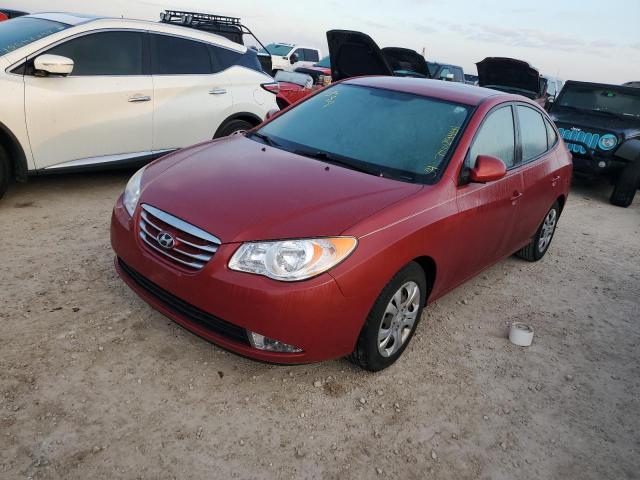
[[265, 138], [335, 160]]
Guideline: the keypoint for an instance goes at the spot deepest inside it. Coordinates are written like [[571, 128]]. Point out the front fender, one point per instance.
[[629, 150]]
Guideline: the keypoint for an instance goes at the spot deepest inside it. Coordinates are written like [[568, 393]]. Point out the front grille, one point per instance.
[[588, 138], [191, 247], [193, 314]]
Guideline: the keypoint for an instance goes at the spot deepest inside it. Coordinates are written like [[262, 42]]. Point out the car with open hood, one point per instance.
[[513, 76], [600, 123], [326, 230]]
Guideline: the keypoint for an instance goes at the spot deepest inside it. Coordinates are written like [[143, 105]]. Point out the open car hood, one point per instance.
[[406, 62], [355, 54], [509, 73]]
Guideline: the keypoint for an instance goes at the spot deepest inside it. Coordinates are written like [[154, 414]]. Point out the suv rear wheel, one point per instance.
[[626, 185], [234, 126], [5, 171]]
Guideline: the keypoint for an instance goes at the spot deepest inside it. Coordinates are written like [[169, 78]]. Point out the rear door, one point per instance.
[[542, 181], [192, 93], [488, 212], [101, 113]]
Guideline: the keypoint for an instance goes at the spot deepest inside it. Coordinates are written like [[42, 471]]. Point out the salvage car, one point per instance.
[[6, 14], [320, 72], [293, 86], [600, 124], [446, 72], [325, 231], [513, 76], [82, 92]]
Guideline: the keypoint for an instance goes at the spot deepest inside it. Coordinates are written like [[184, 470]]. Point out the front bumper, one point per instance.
[[312, 315]]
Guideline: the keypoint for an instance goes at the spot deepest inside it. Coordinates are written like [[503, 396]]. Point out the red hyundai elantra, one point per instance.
[[326, 230]]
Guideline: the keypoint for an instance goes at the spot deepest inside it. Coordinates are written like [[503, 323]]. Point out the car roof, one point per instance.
[[451, 91], [74, 19], [66, 18]]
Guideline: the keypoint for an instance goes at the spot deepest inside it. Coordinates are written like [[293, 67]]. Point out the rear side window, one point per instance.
[[533, 132], [104, 53], [311, 55], [496, 138], [224, 58], [179, 56], [552, 136]]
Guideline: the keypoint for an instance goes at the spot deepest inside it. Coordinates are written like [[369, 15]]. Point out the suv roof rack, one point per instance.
[[229, 27]]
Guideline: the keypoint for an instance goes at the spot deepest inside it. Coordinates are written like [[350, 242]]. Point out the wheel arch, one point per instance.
[[252, 118], [17, 157], [428, 265]]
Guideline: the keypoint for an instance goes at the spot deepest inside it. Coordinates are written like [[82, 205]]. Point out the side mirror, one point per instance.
[[53, 64], [294, 58], [271, 113], [487, 169]]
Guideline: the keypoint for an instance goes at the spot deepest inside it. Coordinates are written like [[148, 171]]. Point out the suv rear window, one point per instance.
[[179, 56], [25, 30]]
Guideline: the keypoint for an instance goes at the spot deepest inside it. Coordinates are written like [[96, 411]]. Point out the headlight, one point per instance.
[[132, 192], [292, 260], [608, 141]]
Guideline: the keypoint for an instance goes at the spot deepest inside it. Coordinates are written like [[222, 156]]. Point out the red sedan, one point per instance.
[[325, 231]]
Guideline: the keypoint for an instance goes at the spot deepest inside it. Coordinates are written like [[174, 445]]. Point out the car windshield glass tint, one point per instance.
[[385, 132], [601, 99], [278, 50], [324, 63], [22, 31]]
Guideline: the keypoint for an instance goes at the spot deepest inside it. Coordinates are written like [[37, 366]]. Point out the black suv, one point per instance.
[[600, 124]]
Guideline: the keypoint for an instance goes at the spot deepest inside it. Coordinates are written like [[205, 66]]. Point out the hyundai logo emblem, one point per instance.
[[166, 240]]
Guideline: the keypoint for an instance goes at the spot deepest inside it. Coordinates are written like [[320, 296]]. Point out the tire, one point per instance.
[[626, 185], [367, 353], [234, 126], [5, 171], [543, 237]]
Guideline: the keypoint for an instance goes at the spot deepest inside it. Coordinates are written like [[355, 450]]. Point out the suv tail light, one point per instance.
[[271, 87]]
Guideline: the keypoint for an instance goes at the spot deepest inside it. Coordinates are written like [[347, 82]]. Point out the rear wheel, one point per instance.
[[5, 171], [234, 126], [392, 320], [541, 241], [626, 185]]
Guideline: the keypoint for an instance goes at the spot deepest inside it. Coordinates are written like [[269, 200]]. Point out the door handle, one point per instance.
[[139, 98], [516, 196], [217, 91]]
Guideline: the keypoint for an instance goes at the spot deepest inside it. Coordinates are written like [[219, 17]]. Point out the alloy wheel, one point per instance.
[[548, 227], [398, 319]]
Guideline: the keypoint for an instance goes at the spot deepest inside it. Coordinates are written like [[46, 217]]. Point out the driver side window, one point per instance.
[[496, 138]]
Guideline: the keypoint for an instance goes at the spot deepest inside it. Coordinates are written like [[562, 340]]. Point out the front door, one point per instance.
[[100, 113], [487, 213]]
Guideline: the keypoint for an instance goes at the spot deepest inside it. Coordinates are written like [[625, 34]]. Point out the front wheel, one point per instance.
[[234, 126], [626, 185], [392, 320], [541, 241]]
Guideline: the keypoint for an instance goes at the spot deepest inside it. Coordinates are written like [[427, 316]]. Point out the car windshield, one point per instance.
[[324, 63], [382, 132], [277, 49], [22, 31], [601, 99], [433, 68]]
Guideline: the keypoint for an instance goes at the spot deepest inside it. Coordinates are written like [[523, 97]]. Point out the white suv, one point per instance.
[[78, 92], [288, 57]]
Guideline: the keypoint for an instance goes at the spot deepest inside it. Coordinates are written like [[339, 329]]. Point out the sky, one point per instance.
[[571, 39]]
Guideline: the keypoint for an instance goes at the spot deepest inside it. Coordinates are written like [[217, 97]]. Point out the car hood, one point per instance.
[[354, 54], [510, 73], [406, 60], [240, 190], [565, 118]]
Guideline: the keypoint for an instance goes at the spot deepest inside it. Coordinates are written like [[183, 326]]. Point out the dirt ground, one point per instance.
[[96, 384]]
